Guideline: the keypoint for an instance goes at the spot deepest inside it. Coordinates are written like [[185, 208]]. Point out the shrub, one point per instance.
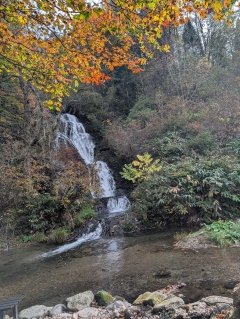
[[86, 213], [201, 190], [144, 107], [141, 168], [223, 232], [39, 214], [202, 143], [60, 235]]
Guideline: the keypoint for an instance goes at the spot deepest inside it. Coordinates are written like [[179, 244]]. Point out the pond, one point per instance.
[[125, 266]]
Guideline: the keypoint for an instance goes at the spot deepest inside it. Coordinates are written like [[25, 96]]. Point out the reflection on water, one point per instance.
[[112, 259], [124, 266]]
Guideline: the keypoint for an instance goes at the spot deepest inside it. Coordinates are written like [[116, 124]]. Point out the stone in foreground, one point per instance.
[[151, 298], [103, 298], [212, 300], [35, 312], [80, 301]]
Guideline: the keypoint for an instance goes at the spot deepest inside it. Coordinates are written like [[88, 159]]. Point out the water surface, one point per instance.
[[124, 266]]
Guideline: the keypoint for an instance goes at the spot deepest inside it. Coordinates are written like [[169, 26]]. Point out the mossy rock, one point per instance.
[[103, 298], [150, 298]]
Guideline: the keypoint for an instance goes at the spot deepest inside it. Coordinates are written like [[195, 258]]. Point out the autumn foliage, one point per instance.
[[56, 44]]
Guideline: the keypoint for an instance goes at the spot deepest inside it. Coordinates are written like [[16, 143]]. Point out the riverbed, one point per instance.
[[125, 266]]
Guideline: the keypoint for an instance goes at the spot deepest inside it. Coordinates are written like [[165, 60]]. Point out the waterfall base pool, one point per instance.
[[125, 266]]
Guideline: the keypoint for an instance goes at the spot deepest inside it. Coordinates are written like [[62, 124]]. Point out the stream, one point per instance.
[[125, 266]]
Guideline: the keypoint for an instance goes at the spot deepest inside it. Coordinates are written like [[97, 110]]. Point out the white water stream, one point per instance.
[[72, 132]]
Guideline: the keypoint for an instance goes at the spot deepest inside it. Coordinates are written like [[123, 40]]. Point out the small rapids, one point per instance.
[[89, 236]]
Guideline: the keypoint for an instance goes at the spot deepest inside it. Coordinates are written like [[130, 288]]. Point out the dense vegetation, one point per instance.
[[183, 111]]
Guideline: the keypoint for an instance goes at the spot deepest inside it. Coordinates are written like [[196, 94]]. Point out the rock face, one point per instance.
[[103, 298], [35, 312], [80, 301]]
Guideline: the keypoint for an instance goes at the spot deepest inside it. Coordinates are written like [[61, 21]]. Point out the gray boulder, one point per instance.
[[213, 300], [80, 301], [57, 310], [35, 312]]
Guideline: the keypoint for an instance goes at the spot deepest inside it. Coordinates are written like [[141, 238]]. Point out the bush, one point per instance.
[[223, 232], [40, 214], [60, 235], [86, 213], [202, 143], [198, 190]]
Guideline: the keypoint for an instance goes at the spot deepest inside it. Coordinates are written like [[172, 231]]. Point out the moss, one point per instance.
[[103, 298]]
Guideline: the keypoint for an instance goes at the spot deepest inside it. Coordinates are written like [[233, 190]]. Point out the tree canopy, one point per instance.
[[56, 44]]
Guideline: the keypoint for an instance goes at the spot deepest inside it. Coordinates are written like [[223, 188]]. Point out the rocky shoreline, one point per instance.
[[166, 303]]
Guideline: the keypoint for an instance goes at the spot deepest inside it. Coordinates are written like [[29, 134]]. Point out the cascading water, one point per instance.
[[73, 133]]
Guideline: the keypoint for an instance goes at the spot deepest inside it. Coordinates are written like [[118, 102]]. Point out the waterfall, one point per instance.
[[72, 132]]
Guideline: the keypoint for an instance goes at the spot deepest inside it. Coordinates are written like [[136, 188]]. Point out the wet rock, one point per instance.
[[103, 298], [162, 273], [132, 312], [150, 298], [168, 304], [58, 309], [212, 300], [80, 301], [34, 312]]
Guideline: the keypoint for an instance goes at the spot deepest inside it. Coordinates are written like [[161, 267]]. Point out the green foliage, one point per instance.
[[223, 232], [141, 169], [39, 214], [86, 213], [60, 235], [202, 143], [234, 146], [171, 144], [26, 238], [144, 107], [201, 190]]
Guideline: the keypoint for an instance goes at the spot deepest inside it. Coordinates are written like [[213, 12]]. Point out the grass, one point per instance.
[[86, 213], [60, 235]]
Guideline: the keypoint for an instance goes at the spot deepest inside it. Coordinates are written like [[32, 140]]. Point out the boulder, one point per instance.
[[198, 310], [118, 307], [213, 300], [132, 312], [57, 310], [65, 315], [94, 313], [151, 298], [80, 301], [35, 312], [168, 304], [88, 312], [103, 298]]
